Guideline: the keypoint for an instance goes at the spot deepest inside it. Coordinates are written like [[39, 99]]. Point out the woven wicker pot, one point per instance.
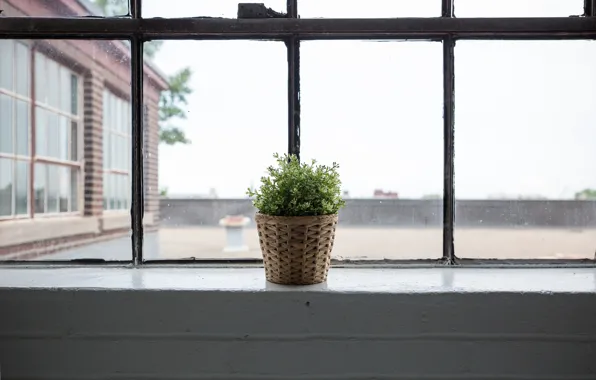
[[296, 249]]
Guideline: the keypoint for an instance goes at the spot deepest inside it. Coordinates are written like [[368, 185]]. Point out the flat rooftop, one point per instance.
[[360, 243]]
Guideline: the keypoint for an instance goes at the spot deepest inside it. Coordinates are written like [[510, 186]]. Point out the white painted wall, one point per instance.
[[128, 326]]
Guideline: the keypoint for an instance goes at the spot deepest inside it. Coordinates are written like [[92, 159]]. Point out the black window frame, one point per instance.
[[291, 29]]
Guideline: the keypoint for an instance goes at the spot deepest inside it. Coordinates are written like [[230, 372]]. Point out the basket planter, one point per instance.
[[296, 249]]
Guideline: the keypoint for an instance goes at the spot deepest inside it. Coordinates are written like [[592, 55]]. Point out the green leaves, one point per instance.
[[172, 101], [172, 136], [170, 107], [112, 8], [586, 194], [298, 189], [150, 48]]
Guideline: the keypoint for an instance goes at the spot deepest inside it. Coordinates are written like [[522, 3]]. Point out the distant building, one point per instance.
[[66, 137], [503, 196], [379, 193], [432, 196]]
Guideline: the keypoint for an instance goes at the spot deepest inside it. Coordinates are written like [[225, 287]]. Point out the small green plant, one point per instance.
[[298, 189]]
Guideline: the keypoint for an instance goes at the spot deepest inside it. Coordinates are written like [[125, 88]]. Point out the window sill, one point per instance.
[[27, 231], [228, 323], [343, 280]]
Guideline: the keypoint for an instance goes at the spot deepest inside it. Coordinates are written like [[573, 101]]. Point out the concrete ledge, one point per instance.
[[115, 221], [228, 323], [40, 229], [119, 221], [148, 219]]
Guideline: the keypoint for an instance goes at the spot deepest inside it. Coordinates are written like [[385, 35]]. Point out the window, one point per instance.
[[15, 127], [212, 8], [519, 195], [53, 8], [176, 120], [49, 156], [518, 8], [117, 124], [57, 124], [391, 134], [370, 9]]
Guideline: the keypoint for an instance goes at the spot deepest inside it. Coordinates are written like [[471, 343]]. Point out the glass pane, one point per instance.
[[106, 150], [114, 122], [65, 87], [41, 178], [74, 95], [64, 192], [214, 8], [525, 139], [22, 188], [118, 105], [53, 134], [74, 189], [120, 191], [368, 9], [63, 137], [6, 186], [22, 125], [74, 141], [53, 188], [389, 145], [41, 91], [7, 64], [113, 191], [53, 83], [106, 192], [41, 135], [6, 123], [518, 8], [125, 156], [72, 195], [51, 8], [235, 119], [23, 69]]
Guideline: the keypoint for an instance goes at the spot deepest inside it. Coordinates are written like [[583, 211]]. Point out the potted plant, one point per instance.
[[297, 207]]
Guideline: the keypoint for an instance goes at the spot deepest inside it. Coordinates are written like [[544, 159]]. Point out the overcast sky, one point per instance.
[[525, 111]]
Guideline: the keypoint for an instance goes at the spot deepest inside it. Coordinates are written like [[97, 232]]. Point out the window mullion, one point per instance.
[[292, 8], [447, 8], [293, 46], [135, 8], [589, 6], [137, 208], [448, 149], [283, 28]]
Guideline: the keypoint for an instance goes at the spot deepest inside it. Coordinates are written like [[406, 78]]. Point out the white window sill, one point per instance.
[[343, 280], [229, 323]]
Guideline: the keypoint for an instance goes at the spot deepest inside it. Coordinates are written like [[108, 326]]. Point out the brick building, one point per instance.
[[65, 138]]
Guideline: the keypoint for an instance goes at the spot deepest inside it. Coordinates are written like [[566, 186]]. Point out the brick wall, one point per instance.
[[101, 65], [93, 137], [151, 155]]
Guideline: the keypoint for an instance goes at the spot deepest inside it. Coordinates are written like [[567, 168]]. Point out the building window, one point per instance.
[[15, 126], [117, 156], [57, 137], [489, 179]]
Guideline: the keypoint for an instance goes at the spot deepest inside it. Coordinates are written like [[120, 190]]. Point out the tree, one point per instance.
[[172, 100], [170, 107], [586, 194], [112, 7]]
